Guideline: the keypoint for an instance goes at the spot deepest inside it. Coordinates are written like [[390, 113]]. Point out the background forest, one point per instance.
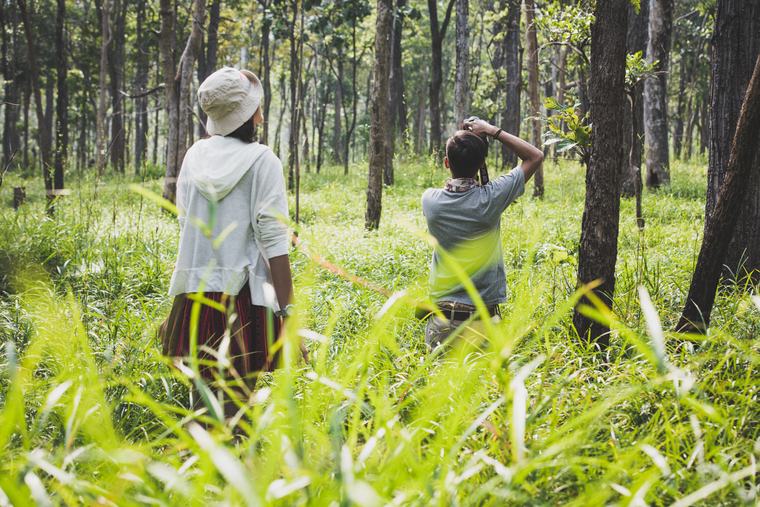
[[596, 403]]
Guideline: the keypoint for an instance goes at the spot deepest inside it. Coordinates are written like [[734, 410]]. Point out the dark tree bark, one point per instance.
[[736, 45], [266, 64], [185, 80], [141, 84], [169, 70], [100, 120], [295, 110], [462, 76], [44, 137], [511, 58], [11, 138], [437, 34], [680, 104], [380, 134], [535, 105], [396, 103], [634, 138], [62, 113], [177, 85], [656, 94], [116, 71], [690, 118], [599, 230], [741, 170], [337, 126]]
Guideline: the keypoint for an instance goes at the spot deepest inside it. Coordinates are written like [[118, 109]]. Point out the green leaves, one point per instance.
[[566, 128]]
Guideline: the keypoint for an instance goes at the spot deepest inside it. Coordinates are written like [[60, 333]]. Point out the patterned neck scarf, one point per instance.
[[459, 185]]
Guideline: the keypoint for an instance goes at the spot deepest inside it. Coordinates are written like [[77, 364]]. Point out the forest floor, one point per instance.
[[91, 413]]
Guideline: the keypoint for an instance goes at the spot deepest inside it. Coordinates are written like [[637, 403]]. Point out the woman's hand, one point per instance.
[[480, 127]]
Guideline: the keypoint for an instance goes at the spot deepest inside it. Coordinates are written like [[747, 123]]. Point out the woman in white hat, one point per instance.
[[233, 239]]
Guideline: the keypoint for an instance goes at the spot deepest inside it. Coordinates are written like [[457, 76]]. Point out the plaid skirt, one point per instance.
[[249, 349]]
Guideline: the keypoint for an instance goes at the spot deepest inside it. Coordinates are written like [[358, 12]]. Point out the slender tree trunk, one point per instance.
[[437, 34], [692, 85], [354, 101], [636, 41], [421, 114], [27, 99], [168, 69], [397, 72], [721, 224], [185, 80], [396, 104], [512, 59], [735, 45], [265, 69], [535, 105], [656, 96], [678, 120], [380, 133], [599, 230], [44, 137], [100, 121], [295, 65], [116, 70], [141, 103], [337, 126], [704, 126], [62, 113], [462, 79]]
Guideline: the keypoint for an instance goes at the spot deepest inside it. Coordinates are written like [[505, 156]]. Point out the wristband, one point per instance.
[[496, 135]]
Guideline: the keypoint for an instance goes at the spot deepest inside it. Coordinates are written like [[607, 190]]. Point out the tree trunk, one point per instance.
[[421, 113], [398, 109], [141, 103], [295, 65], [656, 94], [11, 138], [100, 121], [380, 133], [731, 203], [44, 137], [736, 44], [62, 113], [535, 105], [599, 230], [637, 41], [265, 65], [396, 104], [678, 120], [337, 126], [168, 69], [185, 79], [511, 57], [437, 34], [116, 70], [462, 79], [692, 85]]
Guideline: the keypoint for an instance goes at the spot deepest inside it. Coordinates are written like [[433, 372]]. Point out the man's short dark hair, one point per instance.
[[466, 153]]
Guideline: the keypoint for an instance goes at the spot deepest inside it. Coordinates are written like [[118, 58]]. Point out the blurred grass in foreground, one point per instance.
[[90, 413]]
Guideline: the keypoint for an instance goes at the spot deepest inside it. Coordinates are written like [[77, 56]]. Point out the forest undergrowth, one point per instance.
[[91, 414]]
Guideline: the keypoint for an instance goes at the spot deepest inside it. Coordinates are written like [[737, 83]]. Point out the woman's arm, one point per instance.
[[531, 156], [282, 279]]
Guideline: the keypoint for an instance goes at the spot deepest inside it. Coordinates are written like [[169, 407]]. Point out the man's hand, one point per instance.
[[480, 127]]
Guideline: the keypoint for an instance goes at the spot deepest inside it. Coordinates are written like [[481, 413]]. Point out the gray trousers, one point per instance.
[[438, 330]]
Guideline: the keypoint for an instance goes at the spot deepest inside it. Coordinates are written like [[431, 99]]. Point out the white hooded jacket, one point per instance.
[[232, 202]]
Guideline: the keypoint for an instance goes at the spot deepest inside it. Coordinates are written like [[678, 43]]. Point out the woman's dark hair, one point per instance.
[[466, 153], [245, 132]]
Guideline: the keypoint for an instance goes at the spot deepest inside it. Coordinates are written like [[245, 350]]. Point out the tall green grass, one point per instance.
[[90, 413]]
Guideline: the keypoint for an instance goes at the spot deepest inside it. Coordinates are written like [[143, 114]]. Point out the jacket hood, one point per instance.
[[215, 165]]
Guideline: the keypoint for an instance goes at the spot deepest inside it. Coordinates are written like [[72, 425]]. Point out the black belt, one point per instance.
[[454, 311]]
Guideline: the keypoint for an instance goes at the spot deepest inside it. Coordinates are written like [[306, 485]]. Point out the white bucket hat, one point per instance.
[[229, 97]]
